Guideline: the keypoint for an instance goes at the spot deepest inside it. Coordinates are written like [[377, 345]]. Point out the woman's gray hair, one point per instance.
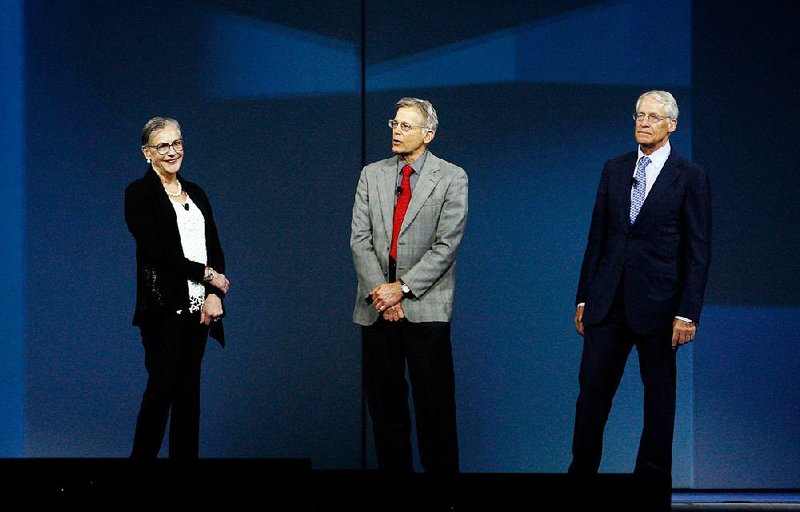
[[665, 99], [431, 120], [156, 124]]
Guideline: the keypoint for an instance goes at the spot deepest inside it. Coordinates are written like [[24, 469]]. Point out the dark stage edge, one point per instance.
[[738, 500], [292, 485]]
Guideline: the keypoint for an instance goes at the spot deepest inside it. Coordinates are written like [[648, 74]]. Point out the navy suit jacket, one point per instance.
[[662, 260]]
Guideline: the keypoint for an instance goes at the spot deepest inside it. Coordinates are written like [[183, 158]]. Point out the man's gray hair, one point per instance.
[[431, 120], [663, 97], [156, 124]]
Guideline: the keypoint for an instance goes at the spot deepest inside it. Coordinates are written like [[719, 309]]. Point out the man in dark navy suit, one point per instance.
[[641, 284]]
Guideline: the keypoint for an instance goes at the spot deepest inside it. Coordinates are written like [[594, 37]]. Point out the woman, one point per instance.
[[180, 285]]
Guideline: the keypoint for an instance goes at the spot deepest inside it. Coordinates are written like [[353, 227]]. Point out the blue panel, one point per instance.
[[12, 231], [637, 42], [747, 398], [533, 175], [623, 43], [251, 59], [488, 59], [287, 383], [529, 108], [522, 111]]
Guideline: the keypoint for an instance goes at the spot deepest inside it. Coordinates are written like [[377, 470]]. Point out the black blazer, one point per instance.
[[662, 259], [161, 268]]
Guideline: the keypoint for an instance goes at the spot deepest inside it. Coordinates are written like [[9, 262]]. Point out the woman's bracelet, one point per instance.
[[210, 275]]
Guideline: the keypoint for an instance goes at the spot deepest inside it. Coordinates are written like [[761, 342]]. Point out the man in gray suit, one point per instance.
[[409, 216]]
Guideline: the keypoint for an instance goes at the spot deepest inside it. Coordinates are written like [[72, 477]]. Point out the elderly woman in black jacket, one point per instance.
[[180, 287]]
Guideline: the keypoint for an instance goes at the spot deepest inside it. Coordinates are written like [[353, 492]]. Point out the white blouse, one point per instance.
[[192, 227]]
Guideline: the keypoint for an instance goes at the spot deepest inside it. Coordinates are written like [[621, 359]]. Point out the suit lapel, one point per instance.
[[172, 233], [387, 191], [426, 182], [623, 187], [157, 190], [669, 173], [428, 178]]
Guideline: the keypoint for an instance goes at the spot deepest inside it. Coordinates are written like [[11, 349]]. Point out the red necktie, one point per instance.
[[400, 208]]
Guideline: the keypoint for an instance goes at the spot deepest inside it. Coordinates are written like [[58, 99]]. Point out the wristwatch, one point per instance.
[[406, 290]]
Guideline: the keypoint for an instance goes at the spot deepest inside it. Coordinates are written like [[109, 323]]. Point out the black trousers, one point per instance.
[[425, 347], [173, 353], [606, 347]]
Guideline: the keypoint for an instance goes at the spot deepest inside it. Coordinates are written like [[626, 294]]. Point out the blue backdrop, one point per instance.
[[281, 104], [12, 230]]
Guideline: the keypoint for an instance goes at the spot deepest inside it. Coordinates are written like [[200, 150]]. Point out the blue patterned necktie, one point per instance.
[[639, 187]]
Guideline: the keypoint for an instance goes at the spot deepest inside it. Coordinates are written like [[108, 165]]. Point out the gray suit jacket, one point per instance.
[[428, 243]]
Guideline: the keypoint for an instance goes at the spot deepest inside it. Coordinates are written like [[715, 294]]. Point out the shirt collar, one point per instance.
[[416, 164], [659, 156]]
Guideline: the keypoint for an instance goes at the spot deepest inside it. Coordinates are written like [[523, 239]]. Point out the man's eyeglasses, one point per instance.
[[404, 127], [163, 148], [653, 118]]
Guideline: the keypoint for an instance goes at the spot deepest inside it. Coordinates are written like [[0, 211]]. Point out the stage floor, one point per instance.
[[288, 485], [744, 500]]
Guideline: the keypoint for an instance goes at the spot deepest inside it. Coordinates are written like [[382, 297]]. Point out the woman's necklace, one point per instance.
[[174, 194], [164, 184]]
